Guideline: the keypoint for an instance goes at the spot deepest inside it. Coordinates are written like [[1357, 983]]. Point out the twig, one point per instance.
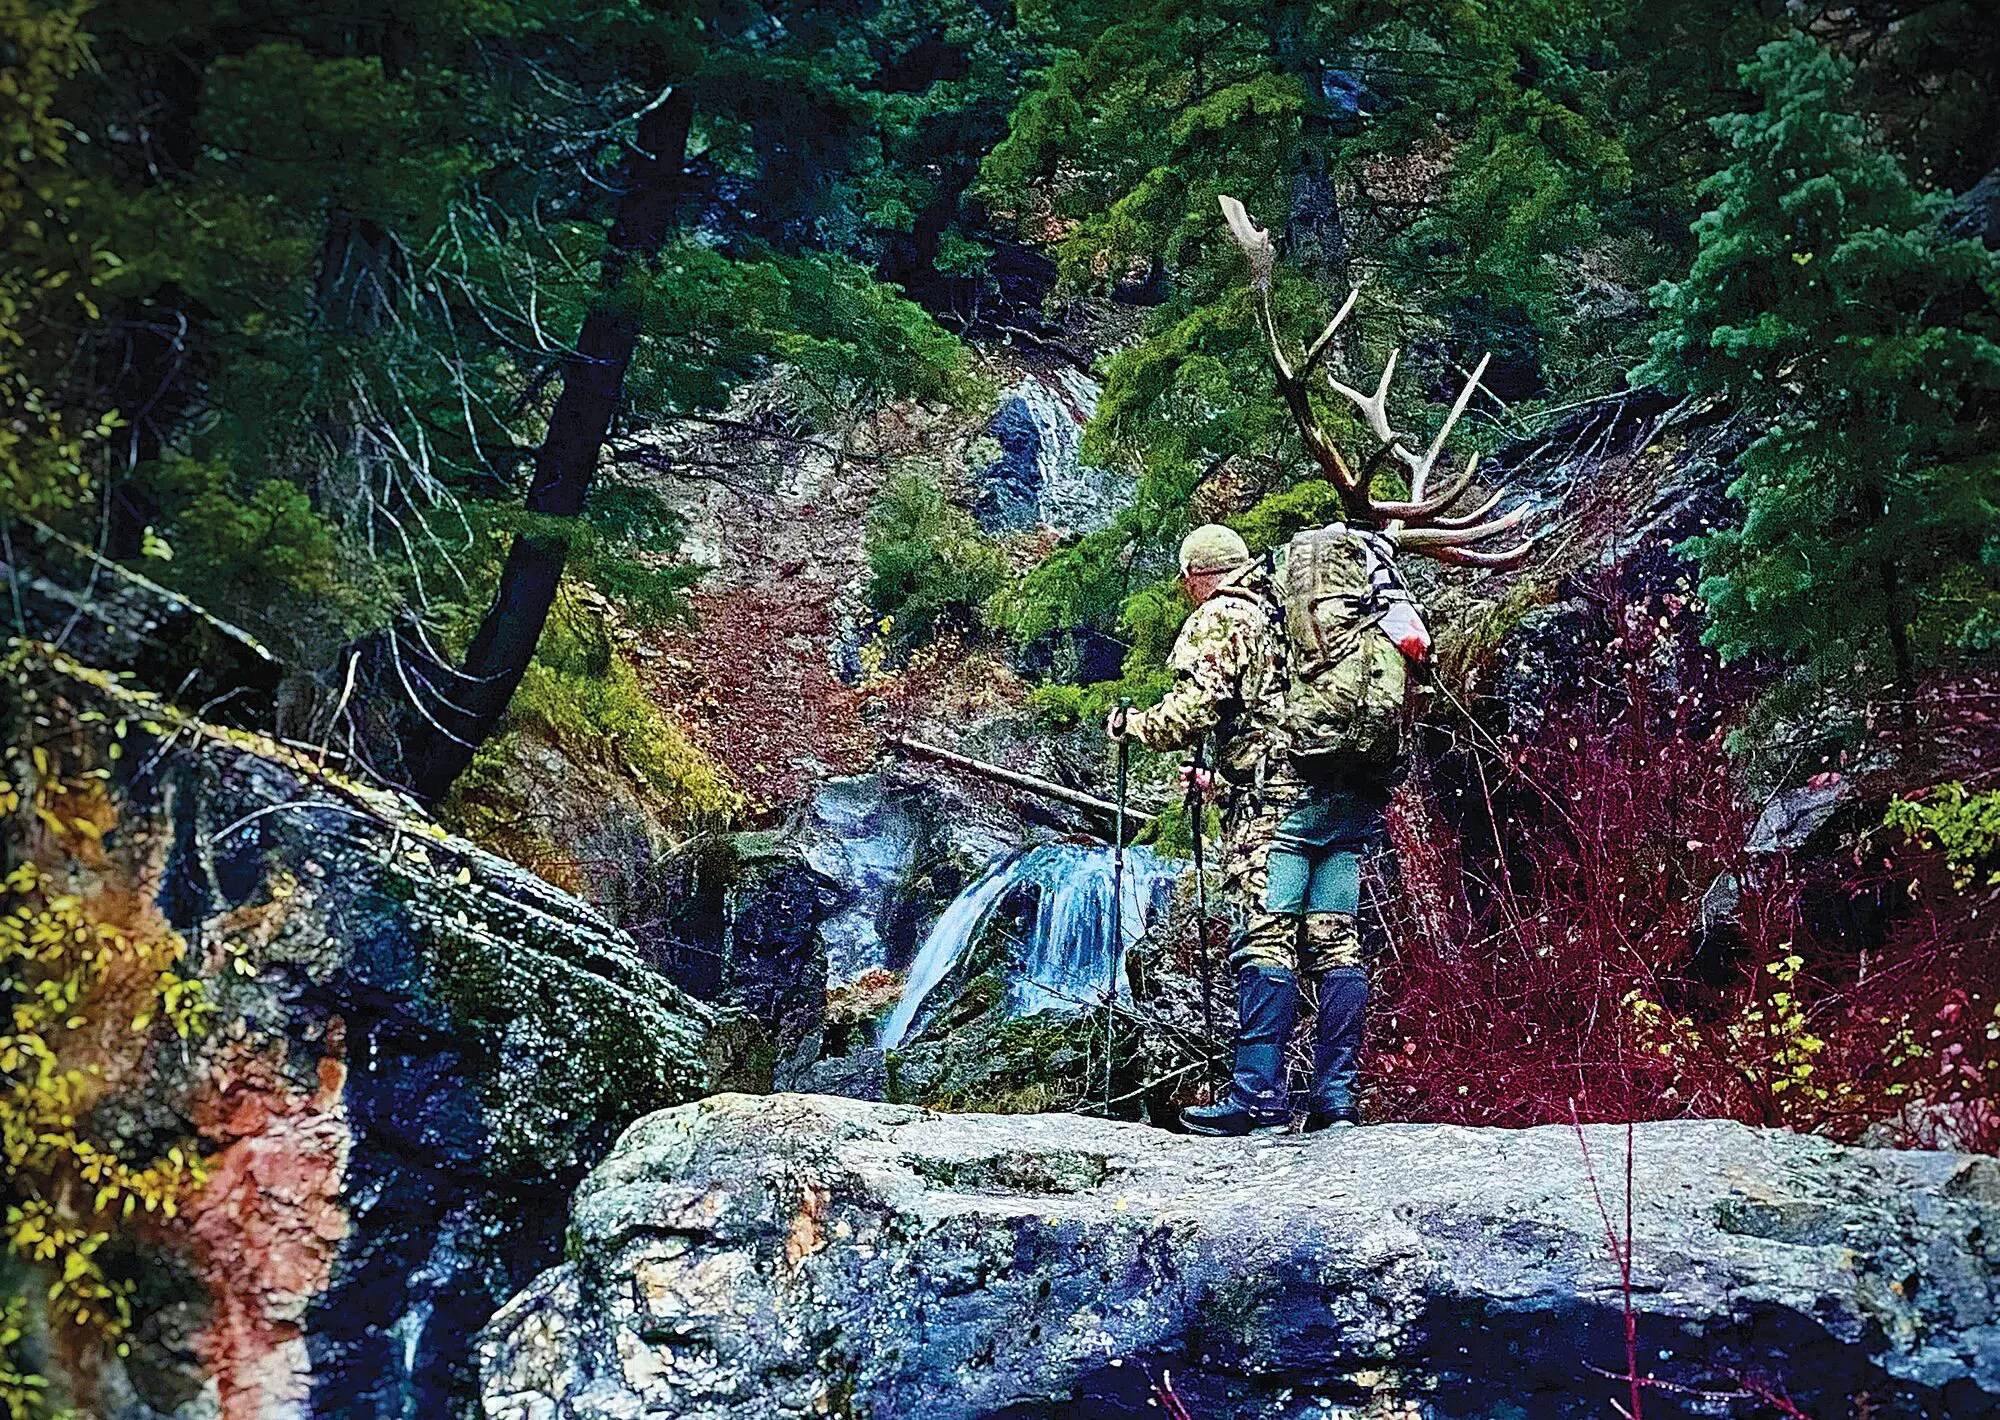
[[1167, 1397], [1622, 1253]]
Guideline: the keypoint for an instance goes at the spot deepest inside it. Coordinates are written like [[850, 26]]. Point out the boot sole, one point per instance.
[[1275, 1127]]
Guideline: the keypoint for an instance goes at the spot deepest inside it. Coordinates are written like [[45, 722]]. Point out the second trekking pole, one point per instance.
[[1117, 896], [1197, 810]]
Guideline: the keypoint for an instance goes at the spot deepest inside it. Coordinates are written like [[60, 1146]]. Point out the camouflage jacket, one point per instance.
[[1228, 677]]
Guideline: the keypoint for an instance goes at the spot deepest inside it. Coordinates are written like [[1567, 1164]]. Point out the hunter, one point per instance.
[[1291, 843], [1301, 668]]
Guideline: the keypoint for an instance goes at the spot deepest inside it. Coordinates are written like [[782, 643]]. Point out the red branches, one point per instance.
[[1576, 917], [1621, 1252]]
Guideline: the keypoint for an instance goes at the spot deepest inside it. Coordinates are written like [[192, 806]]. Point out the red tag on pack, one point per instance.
[[1402, 624]]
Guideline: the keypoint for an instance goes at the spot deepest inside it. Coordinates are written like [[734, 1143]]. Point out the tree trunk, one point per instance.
[[1315, 232], [1899, 641], [449, 728]]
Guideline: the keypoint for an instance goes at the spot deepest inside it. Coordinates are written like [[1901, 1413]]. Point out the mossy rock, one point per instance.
[[1035, 1064]]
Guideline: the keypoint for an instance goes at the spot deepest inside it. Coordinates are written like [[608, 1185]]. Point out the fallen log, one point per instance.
[[1135, 820]]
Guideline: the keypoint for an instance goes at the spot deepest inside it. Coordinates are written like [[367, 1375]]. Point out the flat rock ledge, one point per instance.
[[802, 1255]]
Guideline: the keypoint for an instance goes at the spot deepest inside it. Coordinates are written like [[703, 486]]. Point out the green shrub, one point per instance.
[[929, 566], [1964, 825]]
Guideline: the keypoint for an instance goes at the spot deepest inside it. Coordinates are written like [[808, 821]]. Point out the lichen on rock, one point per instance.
[[413, 1050], [798, 1255]]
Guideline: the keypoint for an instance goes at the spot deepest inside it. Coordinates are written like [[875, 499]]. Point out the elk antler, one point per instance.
[[1418, 523]]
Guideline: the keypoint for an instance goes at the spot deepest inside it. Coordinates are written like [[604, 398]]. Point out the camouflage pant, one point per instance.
[[1308, 942]]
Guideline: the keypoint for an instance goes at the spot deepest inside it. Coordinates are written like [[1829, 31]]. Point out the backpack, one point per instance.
[[1346, 680]]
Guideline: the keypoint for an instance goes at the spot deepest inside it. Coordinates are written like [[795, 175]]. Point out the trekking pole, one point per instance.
[[1197, 807], [1117, 895]]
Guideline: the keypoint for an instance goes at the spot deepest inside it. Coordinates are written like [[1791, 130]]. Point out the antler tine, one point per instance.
[[1421, 504], [1262, 256], [1255, 241], [1420, 473], [1430, 538], [1319, 347], [1426, 508], [1466, 520], [1375, 408], [1259, 251], [1466, 557]]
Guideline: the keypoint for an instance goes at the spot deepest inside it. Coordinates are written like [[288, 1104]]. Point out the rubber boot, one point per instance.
[[1267, 1003], [1343, 1009]]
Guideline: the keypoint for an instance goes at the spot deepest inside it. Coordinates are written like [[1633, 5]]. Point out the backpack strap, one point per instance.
[[1385, 583]]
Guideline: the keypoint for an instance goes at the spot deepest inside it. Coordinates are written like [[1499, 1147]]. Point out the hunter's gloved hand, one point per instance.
[[1199, 781], [1115, 723]]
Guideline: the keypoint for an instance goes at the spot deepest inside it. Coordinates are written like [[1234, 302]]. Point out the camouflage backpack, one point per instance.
[[1346, 681]]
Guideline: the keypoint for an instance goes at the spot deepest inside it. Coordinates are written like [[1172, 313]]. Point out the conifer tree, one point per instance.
[[1828, 307], [373, 257]]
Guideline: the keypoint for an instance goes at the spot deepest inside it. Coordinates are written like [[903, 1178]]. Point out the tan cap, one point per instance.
[[1212, 548]]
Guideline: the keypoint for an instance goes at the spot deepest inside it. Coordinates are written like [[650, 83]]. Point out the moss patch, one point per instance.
[[1019, 1171]]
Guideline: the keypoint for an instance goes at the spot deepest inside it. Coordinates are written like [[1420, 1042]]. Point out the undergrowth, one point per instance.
[[583, 696], [930, 568], [1548, 941], [84, 996]]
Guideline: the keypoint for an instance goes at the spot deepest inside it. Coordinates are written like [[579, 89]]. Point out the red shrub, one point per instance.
[[1546, 942]]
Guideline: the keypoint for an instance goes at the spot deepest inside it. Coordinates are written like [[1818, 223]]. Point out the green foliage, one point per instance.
[[49, 266], [359, 246], [626, 546], [1081, 583], [24, 1391], [1826, 304], [1278, 517], [259, 547], [73, 986], [840, 333], [1963, 825], [581, 693], [930, 568]]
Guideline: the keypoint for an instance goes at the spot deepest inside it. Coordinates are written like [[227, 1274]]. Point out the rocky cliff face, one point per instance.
[[417, 1049], [799, 1255]]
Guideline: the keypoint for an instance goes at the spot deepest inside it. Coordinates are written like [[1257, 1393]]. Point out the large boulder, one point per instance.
[[798, 1255], [417, 1049]]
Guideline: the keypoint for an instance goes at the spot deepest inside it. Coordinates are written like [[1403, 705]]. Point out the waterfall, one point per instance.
[[1068, 958]]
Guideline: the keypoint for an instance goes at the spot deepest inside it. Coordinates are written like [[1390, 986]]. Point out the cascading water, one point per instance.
[[1068, 957]]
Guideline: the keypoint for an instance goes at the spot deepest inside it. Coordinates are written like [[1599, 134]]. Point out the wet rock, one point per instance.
[[904, 844], [861, 1074], [417, 1047], [864, 838], [1976, 213], [798, 1255], [775, 964], [1540, 662], [743, 928], [1790, 820], [1040, 479]]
